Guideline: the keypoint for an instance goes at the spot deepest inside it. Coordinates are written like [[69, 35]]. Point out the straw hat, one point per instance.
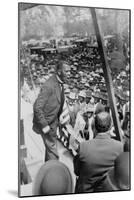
[[72, 95], [82, 94]]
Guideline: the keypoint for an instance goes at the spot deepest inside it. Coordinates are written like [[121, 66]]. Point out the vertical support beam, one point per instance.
[[107, 76]]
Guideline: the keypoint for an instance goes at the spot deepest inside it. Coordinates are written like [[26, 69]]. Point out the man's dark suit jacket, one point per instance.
[[46, 110], [94, 160], [47, 105]]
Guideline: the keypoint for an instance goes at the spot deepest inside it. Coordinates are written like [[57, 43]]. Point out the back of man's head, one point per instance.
[[102, 122]]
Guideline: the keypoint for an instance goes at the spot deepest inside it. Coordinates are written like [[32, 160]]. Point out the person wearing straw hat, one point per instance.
[[104, 98], [82, 100], [67, 92], [89, 114], [48, 108], [98, 107], [53, 178], [73, 108], [88, 98]]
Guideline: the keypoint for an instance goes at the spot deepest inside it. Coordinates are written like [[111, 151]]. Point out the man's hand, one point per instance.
[[46, 129]]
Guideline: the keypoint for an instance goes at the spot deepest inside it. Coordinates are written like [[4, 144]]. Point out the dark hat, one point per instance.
[[43, 73], [91, 88], [103, 89], [53, 178], [104, 96], [119, 177]]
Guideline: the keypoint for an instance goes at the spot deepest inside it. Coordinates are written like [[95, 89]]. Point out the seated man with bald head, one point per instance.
[[96, 157]]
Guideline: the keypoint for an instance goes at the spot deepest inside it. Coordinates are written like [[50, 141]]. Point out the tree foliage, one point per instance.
[[43, 21]]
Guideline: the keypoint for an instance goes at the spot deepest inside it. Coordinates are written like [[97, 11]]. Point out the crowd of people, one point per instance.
[[85, 124]]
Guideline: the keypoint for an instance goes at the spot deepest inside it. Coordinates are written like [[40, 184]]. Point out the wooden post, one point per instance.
[[107, 76]]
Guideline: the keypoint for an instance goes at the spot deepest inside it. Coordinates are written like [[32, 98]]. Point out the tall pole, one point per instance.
[[107, 76]]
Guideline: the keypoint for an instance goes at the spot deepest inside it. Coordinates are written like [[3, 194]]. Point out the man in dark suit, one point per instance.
[[48, 107], [118, 178], [96, 157]]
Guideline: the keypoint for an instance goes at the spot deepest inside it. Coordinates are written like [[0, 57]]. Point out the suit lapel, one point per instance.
[[57, 89]]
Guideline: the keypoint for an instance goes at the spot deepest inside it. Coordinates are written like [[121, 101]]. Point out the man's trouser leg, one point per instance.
[[50, 141]]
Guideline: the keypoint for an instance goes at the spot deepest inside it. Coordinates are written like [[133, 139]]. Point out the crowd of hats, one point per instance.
[[86, 72], [86, 80]]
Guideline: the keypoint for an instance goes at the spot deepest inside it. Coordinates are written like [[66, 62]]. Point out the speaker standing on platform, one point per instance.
[[48, 107]]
